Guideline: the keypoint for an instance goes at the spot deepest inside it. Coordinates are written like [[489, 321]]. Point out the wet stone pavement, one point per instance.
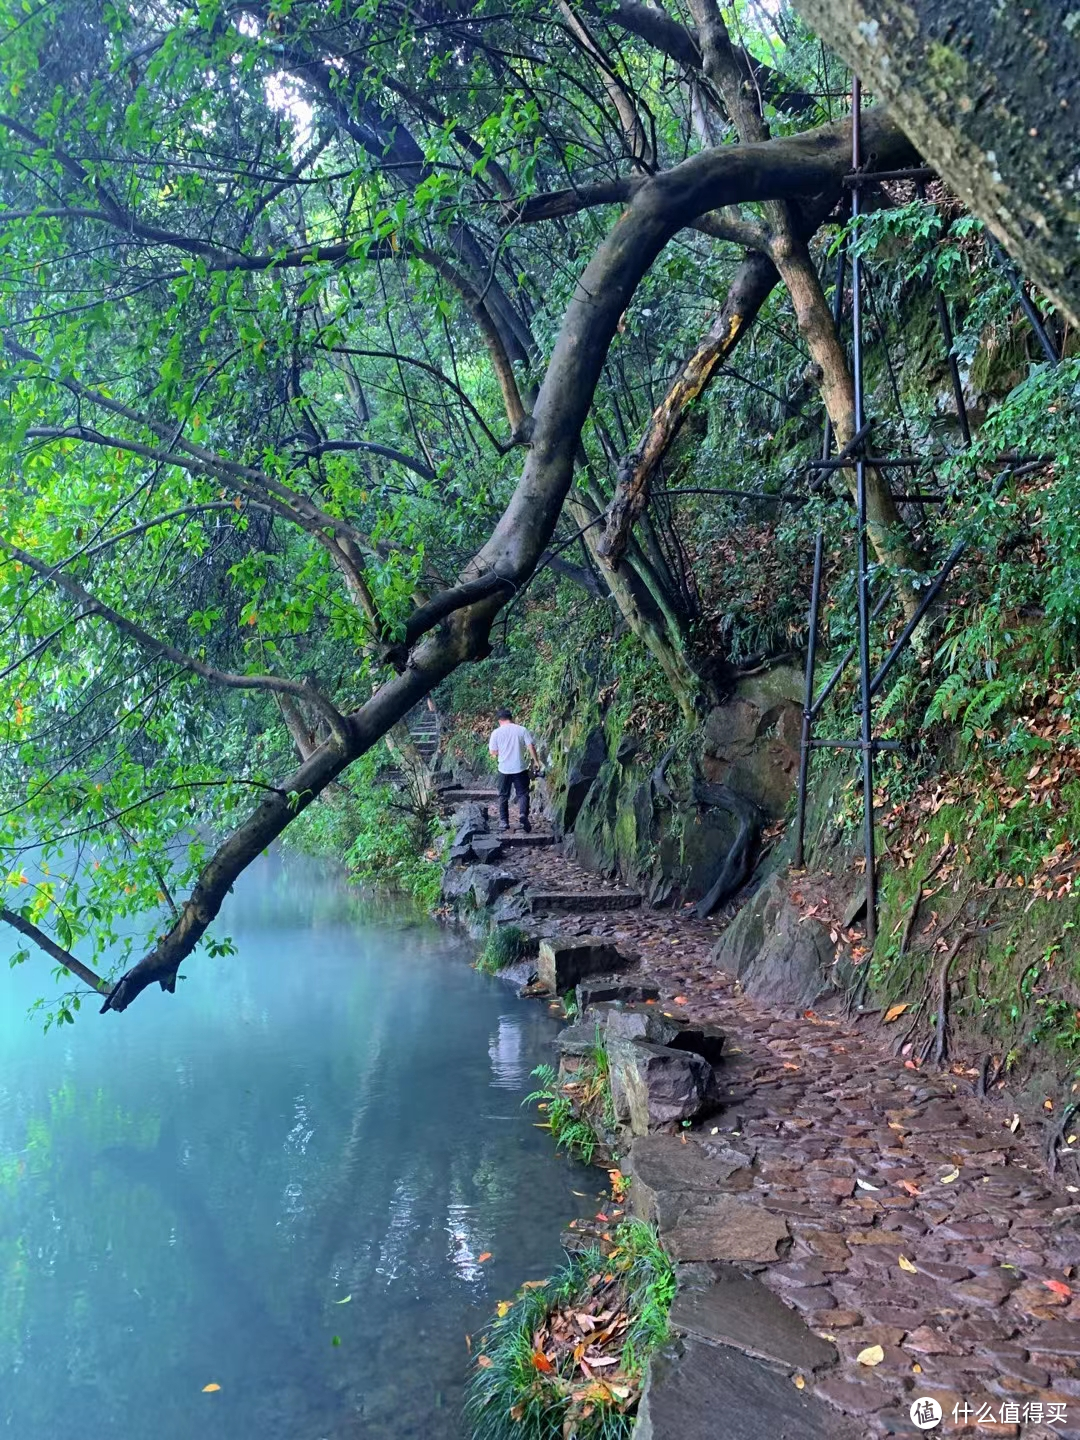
[[918, 1222]]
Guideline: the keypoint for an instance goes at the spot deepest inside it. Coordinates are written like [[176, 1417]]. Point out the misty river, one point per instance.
[[282, 1181]]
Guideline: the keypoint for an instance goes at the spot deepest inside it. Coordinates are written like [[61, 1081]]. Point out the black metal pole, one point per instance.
[[954, 368], [834, 678], [1034, 318], [808, 702], [865, 699]]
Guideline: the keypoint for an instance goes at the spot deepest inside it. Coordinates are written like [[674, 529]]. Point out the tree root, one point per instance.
[[658, 779], [737, 865], [941, 1036], [1056, 1135]]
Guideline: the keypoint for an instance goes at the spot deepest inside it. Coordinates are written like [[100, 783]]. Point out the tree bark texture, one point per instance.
[[989, 91], [750, 288]]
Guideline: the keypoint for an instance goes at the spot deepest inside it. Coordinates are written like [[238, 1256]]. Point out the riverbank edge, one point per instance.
[[856, 1396]]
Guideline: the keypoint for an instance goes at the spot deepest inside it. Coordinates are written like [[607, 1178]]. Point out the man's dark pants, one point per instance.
[[520, 785]]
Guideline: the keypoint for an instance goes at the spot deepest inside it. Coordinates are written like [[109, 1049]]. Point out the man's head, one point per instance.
[[504, 717]]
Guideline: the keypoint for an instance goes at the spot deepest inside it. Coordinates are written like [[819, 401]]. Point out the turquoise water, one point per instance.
[[188, 1191]]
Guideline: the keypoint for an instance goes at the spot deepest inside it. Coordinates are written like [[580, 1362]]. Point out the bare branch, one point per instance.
[[46, 943], [142, 637]]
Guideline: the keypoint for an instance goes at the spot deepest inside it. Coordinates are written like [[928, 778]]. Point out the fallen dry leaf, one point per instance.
[[209, 1389], [908, 1187], [485, 1256], [894, 1012], [950, 1177], [905, 1264], [800, 1382], [872, 1355], [502, 1308], [485, 1362], [1059, 1288], [541, 1362]]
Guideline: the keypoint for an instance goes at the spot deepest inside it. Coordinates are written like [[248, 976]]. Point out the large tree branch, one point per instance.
[[500, 359], [46, 943], [749, 289], [637, 141], [365, 726], [803, 165], [682, 45]]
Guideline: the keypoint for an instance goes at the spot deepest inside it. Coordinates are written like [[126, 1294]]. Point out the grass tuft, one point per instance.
[[504, 946], [533, 1379]]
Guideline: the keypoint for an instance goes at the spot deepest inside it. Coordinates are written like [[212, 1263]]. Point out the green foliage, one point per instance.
[[579, 1106], [383, 843], [504, 946], [570, 1131], [510, 1397]]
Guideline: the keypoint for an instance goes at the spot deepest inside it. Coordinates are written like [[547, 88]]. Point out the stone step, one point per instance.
[[541, 838], [481, 796], [699, 1391], [561, 903]]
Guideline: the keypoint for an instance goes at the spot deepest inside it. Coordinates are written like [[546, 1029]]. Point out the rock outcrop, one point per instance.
[[776, 954]]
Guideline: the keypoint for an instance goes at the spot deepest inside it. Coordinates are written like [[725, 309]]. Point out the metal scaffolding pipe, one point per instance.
[[865, 698]]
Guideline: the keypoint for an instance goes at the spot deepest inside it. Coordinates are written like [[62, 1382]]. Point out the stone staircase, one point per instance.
[[424, 728], [570, 902]]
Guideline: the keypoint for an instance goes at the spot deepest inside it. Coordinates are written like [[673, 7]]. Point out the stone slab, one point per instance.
[[588, 903], [1056, 1337], [697, 1391], [705, 1040], [654, 1086], [621, 1021], [728, 1229], [600, 988], [738, 1310], [663, 1166], [563, 961]]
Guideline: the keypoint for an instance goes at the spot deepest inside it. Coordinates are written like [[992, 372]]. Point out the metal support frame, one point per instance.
[[855, 455]]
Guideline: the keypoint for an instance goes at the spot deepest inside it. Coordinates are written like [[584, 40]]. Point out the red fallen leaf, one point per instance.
[[1058, 1287], [541, 1362], [680, 1000], [485, 1256], [908, 1187], [911, 1064]]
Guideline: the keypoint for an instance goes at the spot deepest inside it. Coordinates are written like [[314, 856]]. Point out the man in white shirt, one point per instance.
[[511, 745]]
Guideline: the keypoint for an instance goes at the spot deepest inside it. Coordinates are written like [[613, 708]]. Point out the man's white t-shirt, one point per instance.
[[509, 743]]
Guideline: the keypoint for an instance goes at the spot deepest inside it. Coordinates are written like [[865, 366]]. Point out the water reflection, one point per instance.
[[189, 1192], [509, 1065]]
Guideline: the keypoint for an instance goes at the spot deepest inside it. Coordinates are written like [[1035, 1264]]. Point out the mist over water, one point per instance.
[[188, 1190]]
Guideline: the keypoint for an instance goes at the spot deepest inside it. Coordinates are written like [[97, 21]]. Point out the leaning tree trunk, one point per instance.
[[990, 93], [639, 609]]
